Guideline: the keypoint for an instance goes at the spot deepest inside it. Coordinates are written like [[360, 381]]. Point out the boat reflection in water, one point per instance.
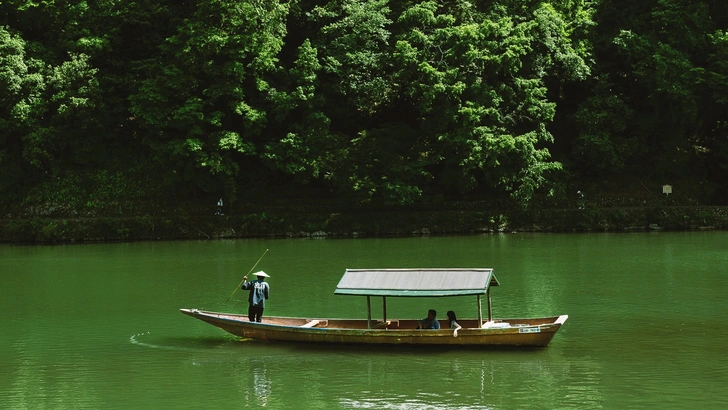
[[261, 387]]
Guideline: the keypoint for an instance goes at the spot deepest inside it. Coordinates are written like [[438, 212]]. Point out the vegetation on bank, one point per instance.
[[373, 101], [46, 230], [324, 219], [127, 120]]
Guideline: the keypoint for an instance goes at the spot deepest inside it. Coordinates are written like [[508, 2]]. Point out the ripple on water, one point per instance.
[[181, 344]]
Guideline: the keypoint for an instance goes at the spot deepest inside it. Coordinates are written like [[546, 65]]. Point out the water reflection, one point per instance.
[[64, 381], [258, 386], [404, 404], [269, 374], [99, 326]]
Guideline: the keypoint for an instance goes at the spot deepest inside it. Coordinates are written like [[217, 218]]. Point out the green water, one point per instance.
[[98, 326]]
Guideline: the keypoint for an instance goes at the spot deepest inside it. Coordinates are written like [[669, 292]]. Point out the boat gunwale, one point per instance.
[[553, 324]]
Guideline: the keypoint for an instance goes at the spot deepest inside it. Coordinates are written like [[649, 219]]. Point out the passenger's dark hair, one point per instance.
[[451, 316], [432, 312]]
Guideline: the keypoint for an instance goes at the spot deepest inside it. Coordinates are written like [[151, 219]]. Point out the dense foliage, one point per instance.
[[369, 100]]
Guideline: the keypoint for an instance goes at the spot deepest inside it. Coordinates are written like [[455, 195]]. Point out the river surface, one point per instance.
[[98, 326]]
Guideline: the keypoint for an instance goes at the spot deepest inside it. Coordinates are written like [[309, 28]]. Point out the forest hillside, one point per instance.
[[146, 107]]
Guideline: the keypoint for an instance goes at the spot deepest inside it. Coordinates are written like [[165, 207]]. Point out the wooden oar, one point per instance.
[[244, 277]]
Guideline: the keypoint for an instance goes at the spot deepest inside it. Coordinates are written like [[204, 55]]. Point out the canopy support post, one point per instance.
[[490, 308], [480, 312], [369, 313], [384, 309]]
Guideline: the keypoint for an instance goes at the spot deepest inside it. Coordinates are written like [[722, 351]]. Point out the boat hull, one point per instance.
[[535, 332]]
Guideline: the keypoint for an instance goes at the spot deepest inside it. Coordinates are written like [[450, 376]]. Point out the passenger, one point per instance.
[[453, 320], [430, 322]]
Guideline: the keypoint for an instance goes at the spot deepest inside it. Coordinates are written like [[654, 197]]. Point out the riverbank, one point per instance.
[[281, 222]]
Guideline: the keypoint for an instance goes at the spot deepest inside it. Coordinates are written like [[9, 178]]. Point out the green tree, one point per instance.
[[444, 97], [202, 103], [18, 87], [368, 153], [652, 110], [47, 111], [477, 79], [300, 137]]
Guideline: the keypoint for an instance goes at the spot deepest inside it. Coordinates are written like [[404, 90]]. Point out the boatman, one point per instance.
[[258, 294], [430, 322]]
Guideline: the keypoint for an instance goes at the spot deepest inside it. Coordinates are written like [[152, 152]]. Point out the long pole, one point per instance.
[[246, 276]]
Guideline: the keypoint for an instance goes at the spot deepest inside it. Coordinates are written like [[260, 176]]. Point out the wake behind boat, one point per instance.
[[398, 283]]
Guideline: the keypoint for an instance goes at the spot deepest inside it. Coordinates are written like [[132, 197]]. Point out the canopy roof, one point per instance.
[[416, 282]]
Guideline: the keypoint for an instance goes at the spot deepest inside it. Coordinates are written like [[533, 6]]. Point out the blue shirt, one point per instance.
[[433, 324], [258, 292]]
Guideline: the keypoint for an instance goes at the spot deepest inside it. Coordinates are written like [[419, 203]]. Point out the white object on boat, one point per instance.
[[494, 325]]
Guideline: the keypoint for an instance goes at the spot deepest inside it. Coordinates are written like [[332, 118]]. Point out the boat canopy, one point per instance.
[[430, 282]]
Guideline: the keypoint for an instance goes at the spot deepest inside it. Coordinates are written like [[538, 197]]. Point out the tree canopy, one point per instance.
[[370, 100]]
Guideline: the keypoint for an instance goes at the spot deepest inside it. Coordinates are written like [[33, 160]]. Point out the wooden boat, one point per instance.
[[398, 283]]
